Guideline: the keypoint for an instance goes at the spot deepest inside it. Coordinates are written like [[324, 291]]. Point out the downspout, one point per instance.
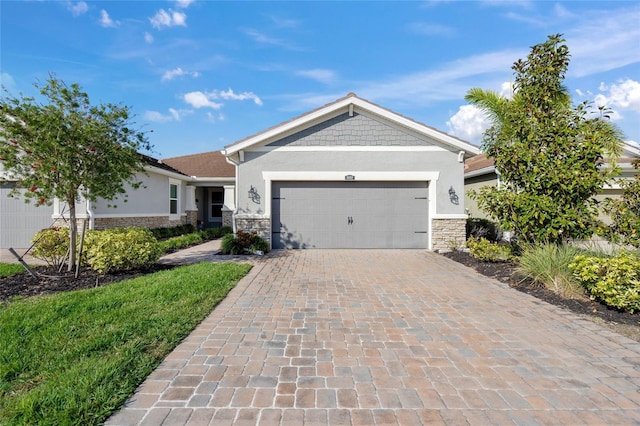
[[90, 213], [235, 195]]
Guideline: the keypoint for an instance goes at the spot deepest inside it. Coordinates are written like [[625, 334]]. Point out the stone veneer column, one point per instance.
[[261, 226], [447, 234]]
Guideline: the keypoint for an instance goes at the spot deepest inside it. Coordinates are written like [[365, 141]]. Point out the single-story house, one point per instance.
[[196, 189], [481, 171], [351, 174]]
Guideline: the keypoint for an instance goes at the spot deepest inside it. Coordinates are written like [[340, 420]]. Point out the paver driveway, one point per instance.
[[388, 337]]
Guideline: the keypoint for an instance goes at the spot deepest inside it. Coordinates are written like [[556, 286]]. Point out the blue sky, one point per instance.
[[204, 74]]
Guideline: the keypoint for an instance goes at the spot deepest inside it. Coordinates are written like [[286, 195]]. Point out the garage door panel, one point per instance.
[[349, 214]]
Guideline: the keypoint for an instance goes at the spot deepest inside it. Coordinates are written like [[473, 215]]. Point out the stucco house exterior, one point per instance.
[[213, 182], [351, 174], [480, 171], [196, 189]]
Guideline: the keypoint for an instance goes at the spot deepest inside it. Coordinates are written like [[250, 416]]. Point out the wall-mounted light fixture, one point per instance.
[[253, 195], [453, 197]]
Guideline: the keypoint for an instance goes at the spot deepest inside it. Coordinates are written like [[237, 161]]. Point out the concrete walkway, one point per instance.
[[388, 337]]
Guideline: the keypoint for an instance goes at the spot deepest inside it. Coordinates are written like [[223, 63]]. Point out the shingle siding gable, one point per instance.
[[358, 130]]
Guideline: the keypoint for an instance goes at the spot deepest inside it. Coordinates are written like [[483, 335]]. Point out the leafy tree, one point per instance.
[[625, 212], [67, 147], [549, 154]]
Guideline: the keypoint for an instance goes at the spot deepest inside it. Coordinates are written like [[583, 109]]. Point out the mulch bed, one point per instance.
[[52, 281], [506, 272]]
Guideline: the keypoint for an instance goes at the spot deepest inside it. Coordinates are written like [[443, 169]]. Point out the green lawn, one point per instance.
[[9, 269], [74, 358]]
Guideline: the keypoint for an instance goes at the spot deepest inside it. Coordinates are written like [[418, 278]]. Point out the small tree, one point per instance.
[[548, 153], [67, 148], [625, 212]]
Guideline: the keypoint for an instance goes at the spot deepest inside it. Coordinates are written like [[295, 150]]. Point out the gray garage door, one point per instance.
[[350, 214], [20, 221]]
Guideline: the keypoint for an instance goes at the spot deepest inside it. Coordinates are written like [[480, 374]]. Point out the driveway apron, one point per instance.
[[388, 337]]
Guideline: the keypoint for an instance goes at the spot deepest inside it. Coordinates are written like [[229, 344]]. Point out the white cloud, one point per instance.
[[604, 40], [106, 21], [206, 99], [201, 100], [156, 116], [170, 18], [183, 4], [230, 95], [148, 38], [78, 8], [261, 38], [469, 123], [321, 75], [211, 117], [624, 95], [178, 72], [174, 115], [423, 28], [7, 82]]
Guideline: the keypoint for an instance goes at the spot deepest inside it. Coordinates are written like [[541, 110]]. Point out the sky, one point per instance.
[[199, 75]]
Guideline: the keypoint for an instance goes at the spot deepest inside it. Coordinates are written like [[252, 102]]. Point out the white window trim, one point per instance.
[[178, 184]]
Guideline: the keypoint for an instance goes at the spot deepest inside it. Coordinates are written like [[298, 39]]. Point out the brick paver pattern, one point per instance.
[[388, 337]]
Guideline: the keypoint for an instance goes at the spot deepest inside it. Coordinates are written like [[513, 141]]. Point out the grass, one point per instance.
[[10, 269], [74, 358], [548, 264]]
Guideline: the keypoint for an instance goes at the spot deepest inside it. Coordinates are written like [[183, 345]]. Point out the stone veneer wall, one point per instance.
[[144, 222], [446, 233], [227, 218], [192, 218], [261, 226]]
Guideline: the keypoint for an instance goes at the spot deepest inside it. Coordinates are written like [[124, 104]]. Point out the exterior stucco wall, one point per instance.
[[150, 199], [475, 184], [349, 162]]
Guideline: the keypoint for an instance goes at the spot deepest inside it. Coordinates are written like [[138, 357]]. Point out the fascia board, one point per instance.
[[480, 172], [163, 172]]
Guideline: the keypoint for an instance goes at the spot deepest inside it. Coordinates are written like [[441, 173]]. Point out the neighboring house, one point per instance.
[[213, 180], [480, 171], [166, 198], [352, 174]]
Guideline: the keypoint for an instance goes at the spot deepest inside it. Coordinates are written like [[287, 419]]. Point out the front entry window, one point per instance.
[[173, 199], [216, 201]]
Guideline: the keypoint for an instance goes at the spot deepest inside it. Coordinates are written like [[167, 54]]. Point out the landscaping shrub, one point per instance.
[[121, 249], [174, 231], [614, 280], [51, 245], [485, 250], [548, 264], [482, 228], [243, 242], [182, 241], [213, 233]]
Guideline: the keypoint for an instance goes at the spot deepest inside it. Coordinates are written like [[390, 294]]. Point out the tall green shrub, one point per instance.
[[549, 154]]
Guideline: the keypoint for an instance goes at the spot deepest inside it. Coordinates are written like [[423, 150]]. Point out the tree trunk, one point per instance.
[[73, 230]]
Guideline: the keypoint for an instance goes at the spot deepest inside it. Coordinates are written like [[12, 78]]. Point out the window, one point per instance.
[[216, 198], [173, 198]]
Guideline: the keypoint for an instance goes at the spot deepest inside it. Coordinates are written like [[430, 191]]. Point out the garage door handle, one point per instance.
[[349, 220]]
